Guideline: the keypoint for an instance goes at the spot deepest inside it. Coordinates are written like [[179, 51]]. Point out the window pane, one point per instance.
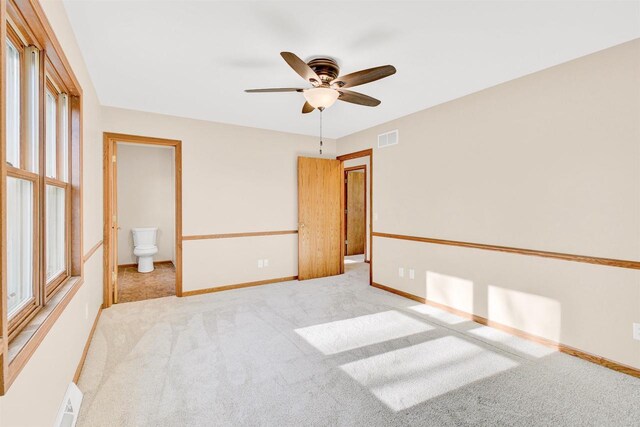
[[51, 127], [55, 231], [19, 243], [63, 102], [13, 105], [32, 116]]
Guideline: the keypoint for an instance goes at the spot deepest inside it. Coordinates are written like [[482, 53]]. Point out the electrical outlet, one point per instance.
[[636, 331], [266, 263], [412, 274], [260, 263], [400, 272]]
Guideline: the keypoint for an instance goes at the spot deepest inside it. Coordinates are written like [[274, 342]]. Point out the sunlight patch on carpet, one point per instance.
[[343, 335], [408, 376]]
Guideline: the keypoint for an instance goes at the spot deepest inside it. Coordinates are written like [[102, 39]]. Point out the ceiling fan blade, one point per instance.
[[301, 67], [307, 108], [364, 76], [358, 98], [275, 89]]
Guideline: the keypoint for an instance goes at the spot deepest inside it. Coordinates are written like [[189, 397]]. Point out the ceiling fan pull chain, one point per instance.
[[321, 131]]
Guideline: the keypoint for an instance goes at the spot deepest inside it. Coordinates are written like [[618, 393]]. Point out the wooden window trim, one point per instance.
[[54, 85], [27, 19], [51, 89], [14, 37], [18, 23], [17, 42], [20, 319], [54, 284], [51, 286]]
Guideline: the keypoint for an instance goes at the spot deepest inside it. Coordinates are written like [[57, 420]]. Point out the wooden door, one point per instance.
[[356, 212], [320, 250]]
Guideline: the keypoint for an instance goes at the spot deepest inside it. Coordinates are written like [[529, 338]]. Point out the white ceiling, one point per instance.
[[195, 58]]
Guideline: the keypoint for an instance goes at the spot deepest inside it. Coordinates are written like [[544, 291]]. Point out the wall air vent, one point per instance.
[[388, 138], [68, 413]]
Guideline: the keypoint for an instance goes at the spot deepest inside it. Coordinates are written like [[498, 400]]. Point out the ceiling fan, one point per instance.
[[327, 87]]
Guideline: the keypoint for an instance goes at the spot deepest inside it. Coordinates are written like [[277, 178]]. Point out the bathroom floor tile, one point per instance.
[[134, 286]]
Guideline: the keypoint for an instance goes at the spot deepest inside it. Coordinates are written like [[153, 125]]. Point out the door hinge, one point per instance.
[[113, 158], [113, 276], [346, 242], [115, 219], [345, 211], [345, 180]]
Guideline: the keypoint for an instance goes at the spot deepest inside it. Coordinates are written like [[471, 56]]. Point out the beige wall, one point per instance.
[[550, 161], [235, 179], [146, 198], [35, 396]]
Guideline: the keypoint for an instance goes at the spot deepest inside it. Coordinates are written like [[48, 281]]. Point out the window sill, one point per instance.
[[22, 347]]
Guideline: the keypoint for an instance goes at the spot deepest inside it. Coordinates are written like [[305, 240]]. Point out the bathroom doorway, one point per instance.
[[143, 221]]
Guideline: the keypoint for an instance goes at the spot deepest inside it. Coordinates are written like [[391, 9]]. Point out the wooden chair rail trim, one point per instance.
[[599, 360], [234, 235], [609, 262], [92, 251], [238, 286]]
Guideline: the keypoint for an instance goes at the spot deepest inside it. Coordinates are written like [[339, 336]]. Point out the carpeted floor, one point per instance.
[[331, 352], [352, 259]]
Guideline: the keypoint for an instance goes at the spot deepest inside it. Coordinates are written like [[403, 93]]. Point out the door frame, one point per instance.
[[346, 196], [356, 155], [110, 264]]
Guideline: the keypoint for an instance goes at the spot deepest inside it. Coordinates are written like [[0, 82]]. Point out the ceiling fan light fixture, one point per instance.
[[321, 97]]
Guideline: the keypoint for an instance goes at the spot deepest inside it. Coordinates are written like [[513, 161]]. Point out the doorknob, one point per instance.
[[301, 225]]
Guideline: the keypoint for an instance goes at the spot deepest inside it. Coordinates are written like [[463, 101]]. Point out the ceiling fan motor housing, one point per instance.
[[326, 68], [328, 86]]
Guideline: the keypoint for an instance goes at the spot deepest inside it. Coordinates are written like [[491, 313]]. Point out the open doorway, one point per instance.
[[358, 208], [143, 201], [355, 214], [322, 202]]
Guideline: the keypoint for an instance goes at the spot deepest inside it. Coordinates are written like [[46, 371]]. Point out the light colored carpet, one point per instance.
[[352, 259], [332, 351]]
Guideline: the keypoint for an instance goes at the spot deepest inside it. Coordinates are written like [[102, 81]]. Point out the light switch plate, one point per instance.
[[400, 272], [260, 263], [266, 262], [412, 274], [636, 331]]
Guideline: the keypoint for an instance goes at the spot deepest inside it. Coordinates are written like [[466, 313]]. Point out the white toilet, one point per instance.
[[144, 247]]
